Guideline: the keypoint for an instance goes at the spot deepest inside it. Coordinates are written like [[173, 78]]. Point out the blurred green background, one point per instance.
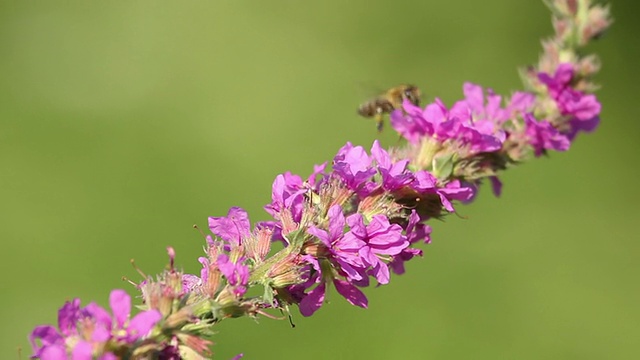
[[123, 123]]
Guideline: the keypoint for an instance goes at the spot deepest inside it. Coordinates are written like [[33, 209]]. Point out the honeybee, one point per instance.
[[386, 102]]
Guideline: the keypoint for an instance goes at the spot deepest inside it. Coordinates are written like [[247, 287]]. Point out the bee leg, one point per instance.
[[379, 121]]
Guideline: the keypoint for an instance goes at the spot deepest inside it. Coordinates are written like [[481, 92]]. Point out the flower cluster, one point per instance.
[[91, 332], [575, 110], [355, 221]]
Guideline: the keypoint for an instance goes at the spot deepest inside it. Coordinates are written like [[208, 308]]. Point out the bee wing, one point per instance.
[[369, 91]]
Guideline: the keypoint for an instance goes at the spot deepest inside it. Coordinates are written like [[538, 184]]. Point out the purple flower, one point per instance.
[[312, 180], [456, 190], [543, 136], [68, 316], [487, 110], [87, 330], [120, 326], [353, 165], [350, 292], [288, 198], [559, 82], [474, 107], [191, 282], [218, 263], [394, 175], [202, 285], [232, 228], [439, 124], [53, 353], [425, 183], [496, 185], [287, 193], [52, 343], [315, 298], [397, 264], [380, 238], [583, 110], [415, 232], [343, 252], [520, 103], [237, 274]]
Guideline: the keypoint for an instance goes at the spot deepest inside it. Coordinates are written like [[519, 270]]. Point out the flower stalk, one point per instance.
[[355, 222]]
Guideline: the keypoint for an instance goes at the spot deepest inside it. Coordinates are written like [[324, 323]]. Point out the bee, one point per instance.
[[386, 102]]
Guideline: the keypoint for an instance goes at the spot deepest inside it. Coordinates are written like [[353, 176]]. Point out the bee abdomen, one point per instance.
[[374, 107]]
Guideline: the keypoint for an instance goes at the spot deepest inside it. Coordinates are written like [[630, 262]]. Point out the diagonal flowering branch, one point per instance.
[[361, 219]]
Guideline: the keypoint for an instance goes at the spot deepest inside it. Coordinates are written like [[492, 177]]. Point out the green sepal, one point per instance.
[[443, 166], [267, 298], [296, 240]]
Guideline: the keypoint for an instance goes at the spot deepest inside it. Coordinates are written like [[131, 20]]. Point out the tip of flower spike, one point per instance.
[[172, 256]]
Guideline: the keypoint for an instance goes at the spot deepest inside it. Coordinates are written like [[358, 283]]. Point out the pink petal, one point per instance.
[[142, 323], [232, 228], [82, 351], [120, 303], [53, 353], [313, 301], [353, 295], [47, 334], [100, 315]]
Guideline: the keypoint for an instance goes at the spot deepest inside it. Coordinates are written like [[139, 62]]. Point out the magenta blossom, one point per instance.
[[232, 228], [381, 238], [342, 253], [426, 183], [519, 103], [87, 330], [353, 165], [543, 136], [310, 302], [350, 255], [415, 232], [476, 107], [315, 298], [582, 110], [287, 199], [236, 273], [435, 121], [394, 175], [287, 193]]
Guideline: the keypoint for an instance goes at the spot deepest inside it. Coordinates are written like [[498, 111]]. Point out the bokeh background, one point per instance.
[[124, 123]]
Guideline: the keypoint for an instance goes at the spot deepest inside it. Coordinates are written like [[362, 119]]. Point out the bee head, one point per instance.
[[412, 93]]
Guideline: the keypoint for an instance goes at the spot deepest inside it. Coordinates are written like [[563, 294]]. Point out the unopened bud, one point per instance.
[[285, 272], [197, 344], [597, 22], [257, 246], [288, 224], [179, 318], [379, 203]]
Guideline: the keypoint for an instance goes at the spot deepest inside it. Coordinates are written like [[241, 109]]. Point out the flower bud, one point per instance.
[[258, 245]]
